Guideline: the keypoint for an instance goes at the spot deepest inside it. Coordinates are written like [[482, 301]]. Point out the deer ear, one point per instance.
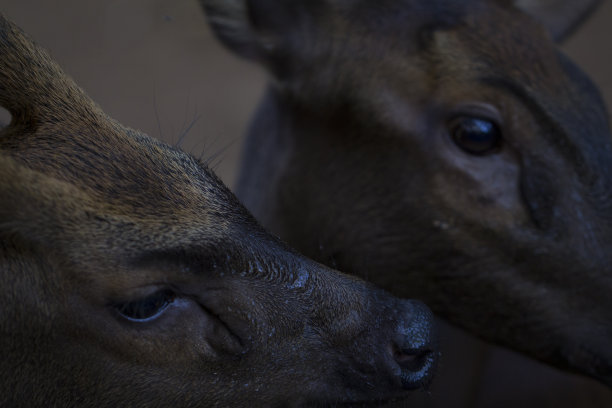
[[253, 29], [561, 17], [32, 86], [231, 23]]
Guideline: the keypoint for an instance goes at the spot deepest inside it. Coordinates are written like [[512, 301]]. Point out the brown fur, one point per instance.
[[350, 158], [94, 216]]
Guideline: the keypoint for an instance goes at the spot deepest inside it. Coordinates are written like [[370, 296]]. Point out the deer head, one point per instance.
[[445, 150], [131, 276]]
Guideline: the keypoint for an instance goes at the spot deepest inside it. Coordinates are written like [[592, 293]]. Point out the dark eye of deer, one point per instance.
[[147, 308], [475, 136]]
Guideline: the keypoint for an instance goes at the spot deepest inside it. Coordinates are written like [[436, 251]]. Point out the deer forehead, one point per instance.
[[91, 201], [519, 59], [117, 165], [357, 56], [476, 57]]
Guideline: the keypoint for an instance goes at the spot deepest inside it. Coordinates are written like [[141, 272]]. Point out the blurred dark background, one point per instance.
[[154, 65]]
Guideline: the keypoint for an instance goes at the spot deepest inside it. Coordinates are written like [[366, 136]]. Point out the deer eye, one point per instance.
[[146, 308], [475, 136]]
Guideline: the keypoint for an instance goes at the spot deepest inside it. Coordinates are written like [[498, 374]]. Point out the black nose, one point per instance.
[[414, 347]]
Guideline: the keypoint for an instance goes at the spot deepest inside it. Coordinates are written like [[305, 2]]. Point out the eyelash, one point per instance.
[[147, 308]]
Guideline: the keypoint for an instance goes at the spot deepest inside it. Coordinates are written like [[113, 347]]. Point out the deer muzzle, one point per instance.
[[414, 345]]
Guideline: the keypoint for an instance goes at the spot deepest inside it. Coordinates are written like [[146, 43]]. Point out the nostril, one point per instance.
[[416, 366], [410, 359]]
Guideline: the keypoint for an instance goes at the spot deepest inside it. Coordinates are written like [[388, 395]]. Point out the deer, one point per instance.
[[131, 276], [446, 151]]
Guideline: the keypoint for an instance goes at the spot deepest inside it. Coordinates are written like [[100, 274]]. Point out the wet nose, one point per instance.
[[414, 347]]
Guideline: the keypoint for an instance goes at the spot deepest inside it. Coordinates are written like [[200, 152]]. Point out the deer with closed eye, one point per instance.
[[447, 151], [130, 276]]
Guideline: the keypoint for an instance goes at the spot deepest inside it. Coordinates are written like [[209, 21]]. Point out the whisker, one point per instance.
[[218, 155], [182, 136], [157, 114]]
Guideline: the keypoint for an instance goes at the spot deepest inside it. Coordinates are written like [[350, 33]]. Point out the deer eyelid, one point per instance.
[[145, 308]]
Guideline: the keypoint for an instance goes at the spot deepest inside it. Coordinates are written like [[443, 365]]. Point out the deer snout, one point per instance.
[[414, 346]]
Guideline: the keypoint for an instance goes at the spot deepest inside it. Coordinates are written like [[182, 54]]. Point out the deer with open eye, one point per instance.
[[130, 276], [447, 151]]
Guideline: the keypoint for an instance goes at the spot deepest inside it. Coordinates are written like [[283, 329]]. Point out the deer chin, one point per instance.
[[601, 367], [558, 328], [592, 357]]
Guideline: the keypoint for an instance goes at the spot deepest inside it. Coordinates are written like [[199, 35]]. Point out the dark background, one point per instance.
[[153, 65]]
